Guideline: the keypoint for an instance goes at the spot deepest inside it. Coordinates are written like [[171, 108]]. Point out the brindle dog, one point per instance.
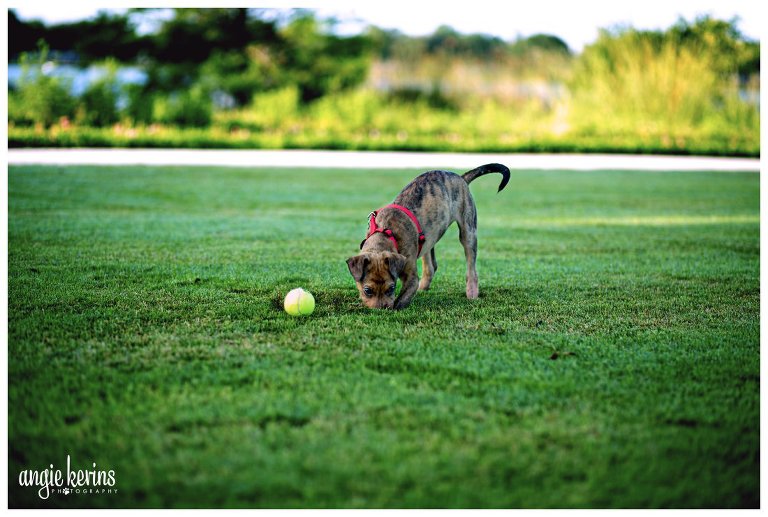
[[437, 199]]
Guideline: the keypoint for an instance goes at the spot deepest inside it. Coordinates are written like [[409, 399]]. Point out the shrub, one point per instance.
[[275, 108], [192, 108], [351, 111], [99, 101], [140, 104], [41, 98]]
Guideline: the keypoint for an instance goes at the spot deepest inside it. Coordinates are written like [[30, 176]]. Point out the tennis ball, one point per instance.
[[299, 302]]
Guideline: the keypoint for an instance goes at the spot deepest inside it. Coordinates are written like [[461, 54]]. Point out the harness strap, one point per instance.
[[373, 228]]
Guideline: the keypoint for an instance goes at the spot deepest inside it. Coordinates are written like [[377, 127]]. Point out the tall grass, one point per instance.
[[631, 83]]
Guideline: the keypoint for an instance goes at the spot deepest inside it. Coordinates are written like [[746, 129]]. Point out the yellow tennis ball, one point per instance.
[[299, 302]]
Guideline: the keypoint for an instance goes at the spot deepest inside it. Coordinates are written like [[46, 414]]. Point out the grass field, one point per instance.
[[612, 359]]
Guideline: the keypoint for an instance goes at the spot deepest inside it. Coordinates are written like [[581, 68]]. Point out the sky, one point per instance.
[[577, 21]]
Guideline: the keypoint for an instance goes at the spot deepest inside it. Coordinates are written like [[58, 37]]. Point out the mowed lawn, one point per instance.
[[612, 359]]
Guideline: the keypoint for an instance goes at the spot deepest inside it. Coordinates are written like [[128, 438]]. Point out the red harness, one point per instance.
[[372, 228]]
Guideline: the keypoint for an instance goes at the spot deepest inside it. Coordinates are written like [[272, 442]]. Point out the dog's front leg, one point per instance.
[[410, 284]]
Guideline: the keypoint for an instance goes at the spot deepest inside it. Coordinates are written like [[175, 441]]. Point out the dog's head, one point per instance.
[[376, 277]]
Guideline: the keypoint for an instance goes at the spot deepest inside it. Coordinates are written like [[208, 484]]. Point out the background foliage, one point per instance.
[[253, 78]]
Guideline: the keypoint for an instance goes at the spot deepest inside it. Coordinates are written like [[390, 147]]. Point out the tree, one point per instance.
[[233, 51], [731, 52], [544, 42], [320, 63], [23, 36]]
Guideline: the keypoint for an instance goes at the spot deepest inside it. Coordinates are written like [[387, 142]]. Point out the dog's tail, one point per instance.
[[487, 169]]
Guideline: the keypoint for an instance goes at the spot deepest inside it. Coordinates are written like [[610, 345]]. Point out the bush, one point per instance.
[[191, 108], [41, 98], [140, 105], [16, 112], [353, 111], [275, 108], [99, 101]]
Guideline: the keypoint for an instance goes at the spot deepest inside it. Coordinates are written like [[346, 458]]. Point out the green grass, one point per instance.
[[612, 359], [610, 140]]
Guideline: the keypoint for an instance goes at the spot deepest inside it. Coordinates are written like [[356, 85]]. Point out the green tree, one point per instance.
[[731, 52], [23, 36], [320, 63], [542, 42], [235, 52]]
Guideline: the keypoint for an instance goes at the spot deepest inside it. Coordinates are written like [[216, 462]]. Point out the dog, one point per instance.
[[409, 228]]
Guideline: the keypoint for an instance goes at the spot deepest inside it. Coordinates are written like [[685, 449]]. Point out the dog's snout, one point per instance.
[[379, 304]]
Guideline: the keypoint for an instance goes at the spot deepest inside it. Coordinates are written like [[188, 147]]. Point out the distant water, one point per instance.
[[80, 78]]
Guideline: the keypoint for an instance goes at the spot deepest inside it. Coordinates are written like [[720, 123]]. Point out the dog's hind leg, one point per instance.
[[468, 237], [428, 268]]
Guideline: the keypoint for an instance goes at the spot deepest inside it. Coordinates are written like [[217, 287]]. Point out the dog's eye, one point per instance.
[[391, 290], [368, 291]]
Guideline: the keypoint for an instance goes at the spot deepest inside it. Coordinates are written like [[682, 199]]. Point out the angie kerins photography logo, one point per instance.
[[54, 481]]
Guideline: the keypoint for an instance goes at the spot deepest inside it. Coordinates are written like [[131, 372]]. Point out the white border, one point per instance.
[[374, 159]]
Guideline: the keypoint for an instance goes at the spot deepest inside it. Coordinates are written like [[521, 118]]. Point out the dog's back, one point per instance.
[[437, 198], [429, 194]]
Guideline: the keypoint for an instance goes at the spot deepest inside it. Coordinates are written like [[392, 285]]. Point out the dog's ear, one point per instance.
[[357, 266], [395, 262]]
